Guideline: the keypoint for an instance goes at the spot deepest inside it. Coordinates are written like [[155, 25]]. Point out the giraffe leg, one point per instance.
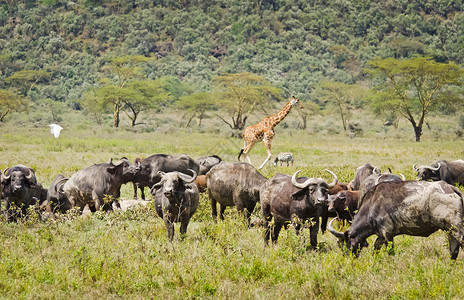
[[268, 148]]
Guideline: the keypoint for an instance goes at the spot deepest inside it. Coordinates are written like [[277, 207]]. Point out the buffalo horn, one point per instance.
[[415, 168], [334, 182], [4, 177], [31, 173], [376, 171], [187, 178], [304, 184], [402, 176], [59, 185], [333, 231], [434, 169]]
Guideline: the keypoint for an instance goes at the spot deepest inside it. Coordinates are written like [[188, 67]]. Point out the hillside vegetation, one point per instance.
[[53, 51]]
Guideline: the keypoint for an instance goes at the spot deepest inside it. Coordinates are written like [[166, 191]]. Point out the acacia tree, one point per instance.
[[414, 87], [25, 80], [196, 105], [345, 97], [126, 68], [146, 95], [10, 102], [240, 93]]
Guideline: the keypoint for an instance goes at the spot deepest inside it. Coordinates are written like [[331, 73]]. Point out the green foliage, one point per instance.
[[11, 102], [414, 87], [240, 93]]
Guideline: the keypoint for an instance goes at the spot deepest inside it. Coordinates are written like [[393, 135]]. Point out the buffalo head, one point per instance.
[[348, 241], [427, 172], [173, 182], [317, 187], [17, 178], [124, 168]]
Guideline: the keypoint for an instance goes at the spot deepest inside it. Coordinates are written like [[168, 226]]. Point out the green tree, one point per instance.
[[11, 102], [146, 95], [196, 105], [25, 80], [126, 68], [240, 93], [415, 87], [345, 97]]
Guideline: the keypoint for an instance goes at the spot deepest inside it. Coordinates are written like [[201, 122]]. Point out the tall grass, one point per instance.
[[128, 255]]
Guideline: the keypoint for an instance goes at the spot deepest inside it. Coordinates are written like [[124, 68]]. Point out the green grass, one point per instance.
[[128, 255]]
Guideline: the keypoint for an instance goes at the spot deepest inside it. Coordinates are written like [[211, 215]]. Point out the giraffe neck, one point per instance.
[[280, 115]]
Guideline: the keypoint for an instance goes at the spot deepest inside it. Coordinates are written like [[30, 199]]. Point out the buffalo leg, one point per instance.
[[324, 217], [222, 209], [313, 230], [275, 232], [214, 209], [183, 227], [266, 212], [142, 192], [135, 190]]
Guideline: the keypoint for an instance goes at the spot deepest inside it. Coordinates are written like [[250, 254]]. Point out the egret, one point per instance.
[[55, 129]]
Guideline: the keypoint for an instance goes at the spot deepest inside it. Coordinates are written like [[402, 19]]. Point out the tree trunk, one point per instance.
[[418, 132], [116, 115]]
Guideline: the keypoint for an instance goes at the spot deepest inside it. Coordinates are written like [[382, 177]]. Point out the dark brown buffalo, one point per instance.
[[176, 199], [150, 166], [325, 214], [344, 204], [20, 191], [200, 182], [417, 208], [95, 183], [361, 174], [137, 161], [451, 172], [207, 162], [56, 201], [284, 198], [232, 184]]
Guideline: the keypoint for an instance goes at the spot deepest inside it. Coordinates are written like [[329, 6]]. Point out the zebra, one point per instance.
[[284, 157]]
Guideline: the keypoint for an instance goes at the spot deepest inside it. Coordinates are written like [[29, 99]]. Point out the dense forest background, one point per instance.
[[64, 47]]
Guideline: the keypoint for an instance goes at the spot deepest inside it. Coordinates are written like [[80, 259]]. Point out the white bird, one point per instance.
[[55, 129]]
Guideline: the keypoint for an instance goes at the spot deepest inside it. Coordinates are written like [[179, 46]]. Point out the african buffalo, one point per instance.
[[57, 201], [176, 199], [200, 182], [344, 204], [92, 184], [207, 162], [150, 166], [234, 184], [284, 198], [20, 191], [451, 172], [417, 208], [325, 214], [362, 173], [374, 179]]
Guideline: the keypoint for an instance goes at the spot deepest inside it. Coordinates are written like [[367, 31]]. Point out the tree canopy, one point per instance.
[[415, 87]]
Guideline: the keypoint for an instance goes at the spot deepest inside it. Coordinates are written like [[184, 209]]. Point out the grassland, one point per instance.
[[127, 254]]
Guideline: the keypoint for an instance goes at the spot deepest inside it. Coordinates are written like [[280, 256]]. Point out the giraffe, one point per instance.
[[264, 131]]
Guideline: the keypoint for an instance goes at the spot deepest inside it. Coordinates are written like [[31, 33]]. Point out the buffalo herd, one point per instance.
[[374, 203]]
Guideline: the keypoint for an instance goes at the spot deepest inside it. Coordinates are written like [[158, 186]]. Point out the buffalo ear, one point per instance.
[[299, 195]]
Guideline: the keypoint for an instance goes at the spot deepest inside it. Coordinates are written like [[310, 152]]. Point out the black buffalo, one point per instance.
[[450, 171], [361, 174], [285, 198], [207, 162], [417, 208], [20, 191], [176, 199], [56, 201], [232, 184], [344, 204], [150, 166], [91, 185]]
